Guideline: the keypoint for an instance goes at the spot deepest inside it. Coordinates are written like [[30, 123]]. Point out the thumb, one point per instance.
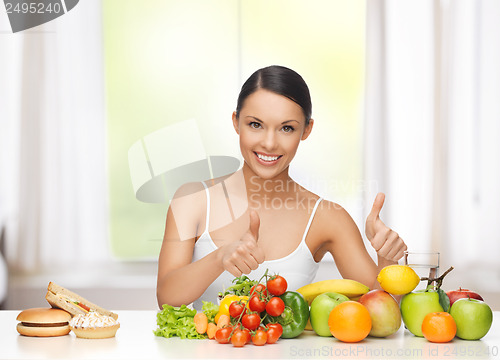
[[254, 224], [377, 206]]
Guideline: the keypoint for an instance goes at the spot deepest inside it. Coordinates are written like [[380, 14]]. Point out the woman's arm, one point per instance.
[[346, 245], [180, 281]]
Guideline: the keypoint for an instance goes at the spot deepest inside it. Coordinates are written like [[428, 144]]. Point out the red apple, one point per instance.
[[454, 295], [384, 312]]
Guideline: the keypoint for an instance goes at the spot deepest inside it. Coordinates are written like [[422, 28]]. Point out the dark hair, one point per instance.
[[282, 81]]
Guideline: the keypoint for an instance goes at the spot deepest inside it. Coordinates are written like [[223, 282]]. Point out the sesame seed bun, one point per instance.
[[43, 322]]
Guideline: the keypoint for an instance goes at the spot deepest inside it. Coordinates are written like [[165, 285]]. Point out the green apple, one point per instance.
[[321, 307], [384, 312], [473, 318], [414, 307]]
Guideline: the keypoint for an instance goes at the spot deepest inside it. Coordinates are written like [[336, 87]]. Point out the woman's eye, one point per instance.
[[287, 128], [254, 125]]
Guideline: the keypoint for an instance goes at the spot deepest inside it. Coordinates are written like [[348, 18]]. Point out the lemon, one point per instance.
[[398, 279]]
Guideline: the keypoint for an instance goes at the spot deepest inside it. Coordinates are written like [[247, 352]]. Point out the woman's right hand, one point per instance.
[[244, 255]]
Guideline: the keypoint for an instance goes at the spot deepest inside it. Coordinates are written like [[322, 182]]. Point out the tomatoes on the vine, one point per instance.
[[223, 335], [276, 326], [251, 321], [273, 333], [256, 304], [258, 289], [260, 337], [277, 285], [275, 306], [236, 308], [239, 338]]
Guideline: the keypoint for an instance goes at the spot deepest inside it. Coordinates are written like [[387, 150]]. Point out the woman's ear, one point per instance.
[[235, 123], [307, 130]]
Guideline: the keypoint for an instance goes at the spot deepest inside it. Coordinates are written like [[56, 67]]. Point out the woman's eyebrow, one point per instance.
[[259, 120], [253, 117]]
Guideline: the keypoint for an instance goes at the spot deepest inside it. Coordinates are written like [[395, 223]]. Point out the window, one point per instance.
[[171, 61]]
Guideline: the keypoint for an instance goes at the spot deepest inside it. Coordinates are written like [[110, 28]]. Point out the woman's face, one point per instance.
[[270, 127]]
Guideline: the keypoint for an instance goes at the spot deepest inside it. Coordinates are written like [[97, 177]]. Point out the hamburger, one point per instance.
[[43, 322]]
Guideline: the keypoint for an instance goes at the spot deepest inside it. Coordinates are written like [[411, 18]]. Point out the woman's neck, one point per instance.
[[275, 187]]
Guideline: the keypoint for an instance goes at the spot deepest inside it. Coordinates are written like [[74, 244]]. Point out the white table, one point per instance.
[[135, 340]]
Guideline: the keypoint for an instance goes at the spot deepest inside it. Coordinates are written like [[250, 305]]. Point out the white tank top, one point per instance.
[[298, 268]]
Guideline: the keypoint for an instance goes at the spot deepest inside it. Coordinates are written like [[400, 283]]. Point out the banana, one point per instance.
[[350, 288]]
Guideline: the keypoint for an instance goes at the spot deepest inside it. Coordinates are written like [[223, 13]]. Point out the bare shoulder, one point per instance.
[[187, 210], [334, 220], [189, 191]]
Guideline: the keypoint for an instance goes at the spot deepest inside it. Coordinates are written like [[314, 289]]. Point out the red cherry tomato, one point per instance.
[[236, 308], [277, 285], [260, 337], [275, 306], [276, 327], [273, 335], [251, 321], [247, 333], [239, 338], [259, 289], [255, 304], [223, 336]]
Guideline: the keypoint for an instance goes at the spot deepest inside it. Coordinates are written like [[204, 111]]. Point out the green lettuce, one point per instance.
[[177, 321], [210, 309]]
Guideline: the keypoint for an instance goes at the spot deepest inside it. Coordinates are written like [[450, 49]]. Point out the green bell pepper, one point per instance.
[[295, 316]]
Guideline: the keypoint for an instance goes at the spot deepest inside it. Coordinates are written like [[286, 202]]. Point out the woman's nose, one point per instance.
[[269, 141]]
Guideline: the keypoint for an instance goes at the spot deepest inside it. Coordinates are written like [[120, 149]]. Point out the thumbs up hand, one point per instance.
[[244, 255], [385, 241]]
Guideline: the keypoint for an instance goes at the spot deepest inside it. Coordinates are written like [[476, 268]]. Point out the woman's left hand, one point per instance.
[[384, 240]]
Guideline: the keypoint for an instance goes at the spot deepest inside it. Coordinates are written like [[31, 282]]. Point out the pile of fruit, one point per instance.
[[262, 311], [431, 313]]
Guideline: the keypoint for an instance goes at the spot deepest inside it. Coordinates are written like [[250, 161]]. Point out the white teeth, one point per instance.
[[267, 158]]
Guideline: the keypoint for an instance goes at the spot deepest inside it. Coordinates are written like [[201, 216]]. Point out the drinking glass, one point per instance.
[[425, 264]]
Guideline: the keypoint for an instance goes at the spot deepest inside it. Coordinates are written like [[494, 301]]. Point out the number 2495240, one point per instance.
[[33, 7], [470, 351]]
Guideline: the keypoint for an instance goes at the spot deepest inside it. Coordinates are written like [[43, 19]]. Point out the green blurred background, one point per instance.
[[172, 60]]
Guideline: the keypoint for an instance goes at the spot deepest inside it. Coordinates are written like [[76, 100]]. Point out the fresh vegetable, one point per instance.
[[273, 334], [236, 308], [259, 337], [200, 322], [177, 321], [241, 287], [223, 336], [275, 306], [294, 317], [211, 330], [240, 317], [210, 309], [223, 320], [239, 338], [256, 304], [251, 321], [259, 289], [277, 285], [226, 301]]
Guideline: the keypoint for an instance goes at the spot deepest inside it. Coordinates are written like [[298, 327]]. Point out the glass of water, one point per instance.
[[425, 264]]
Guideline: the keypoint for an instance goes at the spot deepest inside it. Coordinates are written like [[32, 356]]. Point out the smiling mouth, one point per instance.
[[268, 158]]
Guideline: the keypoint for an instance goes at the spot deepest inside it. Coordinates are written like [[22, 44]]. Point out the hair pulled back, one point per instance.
[[280, 80]]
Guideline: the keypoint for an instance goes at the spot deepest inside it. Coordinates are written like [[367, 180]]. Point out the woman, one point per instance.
[[258, 218]]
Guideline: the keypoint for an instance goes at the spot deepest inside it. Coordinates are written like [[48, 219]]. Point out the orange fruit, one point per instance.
[[439, 327], [350, 321]]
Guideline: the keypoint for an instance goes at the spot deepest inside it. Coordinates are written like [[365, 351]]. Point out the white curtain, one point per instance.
[[53, 196], [432, 125]]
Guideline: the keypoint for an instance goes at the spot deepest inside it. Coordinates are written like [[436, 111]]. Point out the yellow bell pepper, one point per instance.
[[226, 301]]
